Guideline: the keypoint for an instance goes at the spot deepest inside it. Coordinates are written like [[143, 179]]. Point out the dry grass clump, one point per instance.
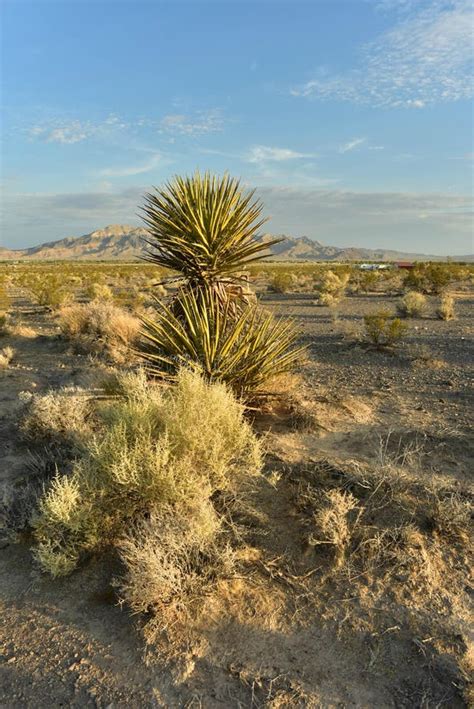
[[58, 417], [6, 356], [382, 330], [392, 535], [331, 522], [157, 447], [445, 309], [20, 330], [422, 356], [100, 327], [331, 287], [412, 305]]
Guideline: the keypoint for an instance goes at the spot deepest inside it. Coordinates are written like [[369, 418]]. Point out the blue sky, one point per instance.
[[353, 120]]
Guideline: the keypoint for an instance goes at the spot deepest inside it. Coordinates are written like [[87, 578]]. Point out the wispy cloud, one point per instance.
[[351, 145], [129, 170], [424, 59], [198, 124], [263, 153], [70, 131], [67, 131]]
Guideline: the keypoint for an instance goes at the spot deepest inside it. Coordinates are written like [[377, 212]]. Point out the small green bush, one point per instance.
[[49, 291], [368, 280], [383, 330]]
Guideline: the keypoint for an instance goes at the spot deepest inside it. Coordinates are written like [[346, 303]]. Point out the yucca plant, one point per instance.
[[204, 228], [244, 349]]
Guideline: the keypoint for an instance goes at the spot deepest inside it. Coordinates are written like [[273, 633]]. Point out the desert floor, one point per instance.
[[303, 635]]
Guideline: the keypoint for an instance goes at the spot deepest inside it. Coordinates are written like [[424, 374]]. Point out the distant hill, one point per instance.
[[125, 243]]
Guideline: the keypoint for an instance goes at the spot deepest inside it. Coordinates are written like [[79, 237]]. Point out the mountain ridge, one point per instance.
[[123, 242]]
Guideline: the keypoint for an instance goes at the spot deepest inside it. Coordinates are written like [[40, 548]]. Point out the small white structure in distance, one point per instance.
[[374, 266]]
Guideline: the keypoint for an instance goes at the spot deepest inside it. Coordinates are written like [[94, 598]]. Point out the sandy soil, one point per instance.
[[68, 643]]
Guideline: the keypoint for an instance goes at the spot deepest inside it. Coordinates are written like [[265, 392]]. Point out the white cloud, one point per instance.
[[199, 124], [70, 131], [129, 170], [263, 153], [352, 145], [424, 59]]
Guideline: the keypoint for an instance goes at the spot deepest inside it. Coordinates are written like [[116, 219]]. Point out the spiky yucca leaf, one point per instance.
[[204, 227], [243, 350]]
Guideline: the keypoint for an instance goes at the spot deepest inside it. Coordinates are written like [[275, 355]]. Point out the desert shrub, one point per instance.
[[330, 287], [331, 522], [131, 298], [171, 560], [101, 328], [383, 330], [412, 305], [367, 280], [60, 416], [6, 356], [100, 291], [429, 277], [50, 291], [445, 309], [281, 282], [157, 447]]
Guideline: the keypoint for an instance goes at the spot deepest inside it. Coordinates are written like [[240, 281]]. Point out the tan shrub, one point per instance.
[[100, 291], [56, 417], [445, 309], [171, 560], [330, 287], [101, 328], [156, 447], [412, 305], [281, 282], [6, 356]]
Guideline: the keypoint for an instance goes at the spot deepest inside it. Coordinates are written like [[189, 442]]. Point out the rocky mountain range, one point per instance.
[[125, 243]]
